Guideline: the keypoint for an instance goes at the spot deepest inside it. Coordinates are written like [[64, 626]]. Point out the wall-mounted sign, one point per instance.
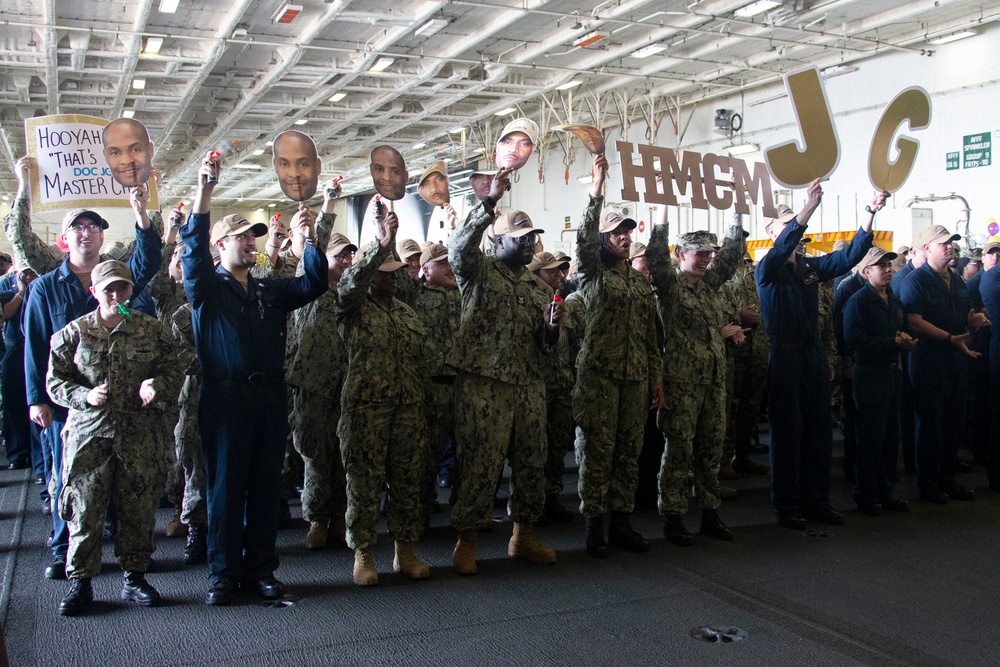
[[976, 150], [952, 161]]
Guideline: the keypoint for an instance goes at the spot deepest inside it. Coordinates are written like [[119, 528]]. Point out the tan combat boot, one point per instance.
[[524, 545], [408, 563], [175, 527], [365, 573], [317, 535], [464, 557]]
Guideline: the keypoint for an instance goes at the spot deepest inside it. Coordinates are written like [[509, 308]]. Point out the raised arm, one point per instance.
[[197, 257], [464, 252], [147, 258], [658, 254], [354, 285], [588, 238], [28, 246], [728, 258]]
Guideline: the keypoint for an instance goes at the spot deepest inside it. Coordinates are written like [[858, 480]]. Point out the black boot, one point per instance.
[[596, 545], [712, 525], [79, 598], [196, 549], [555, 512], [136, 589], [622, 535], [674, 531]]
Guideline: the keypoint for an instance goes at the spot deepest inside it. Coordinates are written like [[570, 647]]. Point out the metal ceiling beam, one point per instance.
[[133, 45], [50, 41]]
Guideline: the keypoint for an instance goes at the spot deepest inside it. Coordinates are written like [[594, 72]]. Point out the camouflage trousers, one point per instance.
[[383, 445], [187, 445], [749, 382], [292, 467], [494, 420], [611, 414], [694, 421], [130, 469], [440, 427], [314, 422], [560, 429]]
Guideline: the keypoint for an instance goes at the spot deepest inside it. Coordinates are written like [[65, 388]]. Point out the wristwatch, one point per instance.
[[869, 209]]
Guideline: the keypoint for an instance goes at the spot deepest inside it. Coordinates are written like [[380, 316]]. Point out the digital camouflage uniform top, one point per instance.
[[694, 349], [167, 294], [385, 354], [440, 310], [742, 291], [502, 313], [86, 354], [620, 339]]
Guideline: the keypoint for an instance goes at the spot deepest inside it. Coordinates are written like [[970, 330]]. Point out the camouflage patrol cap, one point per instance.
[[435, 252], [338, 244], [408, 248], [546, 260], [115, 250], [698, 241], [109, 272], [514, 223], [612, 220], [637, 250]]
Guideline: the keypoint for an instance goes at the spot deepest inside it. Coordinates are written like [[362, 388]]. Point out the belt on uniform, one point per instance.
[[443, 379], [255, 378]]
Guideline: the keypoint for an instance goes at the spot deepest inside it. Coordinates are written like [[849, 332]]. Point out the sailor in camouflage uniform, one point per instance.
[[438, 303], [618, 376], [559, 376], [316, 359], [114, 369], [383, 425], [694, 416], [507, 328]]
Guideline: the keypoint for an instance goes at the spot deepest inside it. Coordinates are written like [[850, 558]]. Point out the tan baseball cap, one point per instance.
[[390, 265], [559, 254], [234, 224], [611, 220], [785, 214], [338, 244], [991, 247], [109, 272], [435, 252], [546, 260], [636, 250], [935, 234], [874, 256], [115, 250], [76, 213], [514, 224], [436, 168], [904, 250], [408, 248], [521, 125]]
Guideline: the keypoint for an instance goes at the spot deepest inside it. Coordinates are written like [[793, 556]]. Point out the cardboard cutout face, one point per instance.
[[481, 183], [592, 138], [296, 164], [514, 150], [389, 172], [128, 151], [433, 186]]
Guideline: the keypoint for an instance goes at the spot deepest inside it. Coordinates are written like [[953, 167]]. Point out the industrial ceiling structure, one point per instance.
[[437, 79]]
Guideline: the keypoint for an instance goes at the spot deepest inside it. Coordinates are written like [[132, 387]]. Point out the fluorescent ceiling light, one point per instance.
[[567, 86], [247, 165], [153, 44], [302, 121], [431, 27], [259, 151], [648, 51], [755, 8], [417, 147], [139, 84], [456, 130], [169, 6], [742, 149], [128, 113], [269, 144], [506, 112], [590, 38], [271, 205], [953, 37], [338, 96], [381, 65], [589, 178]]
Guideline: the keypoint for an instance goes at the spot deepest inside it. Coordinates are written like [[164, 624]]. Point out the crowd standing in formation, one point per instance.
[[182, 362]]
